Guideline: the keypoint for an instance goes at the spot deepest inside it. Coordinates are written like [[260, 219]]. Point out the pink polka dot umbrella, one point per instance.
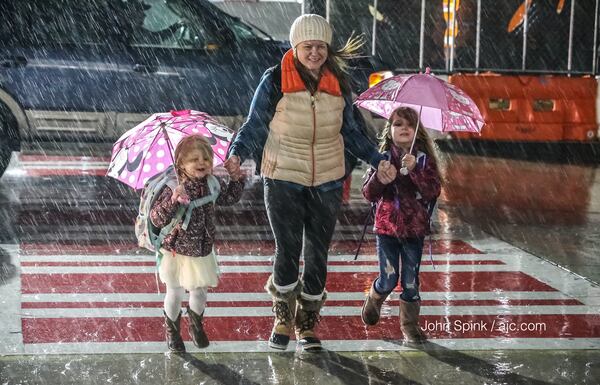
[[148, 148]]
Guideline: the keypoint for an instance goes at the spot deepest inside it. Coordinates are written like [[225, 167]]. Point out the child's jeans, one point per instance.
[[389, 252]]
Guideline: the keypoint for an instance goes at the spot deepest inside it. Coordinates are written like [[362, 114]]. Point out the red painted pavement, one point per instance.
[[132, 329], [254, 282], [259, 263], [235, 248], [330, 303]]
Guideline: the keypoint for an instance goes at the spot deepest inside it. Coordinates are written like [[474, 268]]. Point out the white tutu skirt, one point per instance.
[[177, 270]]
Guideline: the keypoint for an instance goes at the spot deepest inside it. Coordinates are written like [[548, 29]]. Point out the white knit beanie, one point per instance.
[[310, 27]]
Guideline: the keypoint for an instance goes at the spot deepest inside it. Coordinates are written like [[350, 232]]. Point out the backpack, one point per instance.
[[151, 237]]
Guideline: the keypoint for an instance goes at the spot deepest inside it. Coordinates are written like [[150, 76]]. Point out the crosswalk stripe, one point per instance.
[[335, 311], [250, 269], [333, 296]]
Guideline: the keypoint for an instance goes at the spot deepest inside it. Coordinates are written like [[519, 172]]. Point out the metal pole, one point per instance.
[[478, 37], [571, 23], [373, 45], [595, 50], [452, 32], [525, 26], [447, 38], [422, 35], [327, 9], [302, 9]]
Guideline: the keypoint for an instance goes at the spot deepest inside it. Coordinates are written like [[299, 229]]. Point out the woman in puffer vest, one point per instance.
[[299, 125]]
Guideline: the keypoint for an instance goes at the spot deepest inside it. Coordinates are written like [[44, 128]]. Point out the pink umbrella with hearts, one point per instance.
[[441, 106], [147, 149]]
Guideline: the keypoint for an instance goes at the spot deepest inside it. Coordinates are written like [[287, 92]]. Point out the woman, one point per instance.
[[299, 125]]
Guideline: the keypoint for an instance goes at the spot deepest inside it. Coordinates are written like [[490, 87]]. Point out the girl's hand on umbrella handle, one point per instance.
[[179, 195], [183, 199], [409, 161]]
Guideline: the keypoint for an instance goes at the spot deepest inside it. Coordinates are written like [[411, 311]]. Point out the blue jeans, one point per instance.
[[389, 252]]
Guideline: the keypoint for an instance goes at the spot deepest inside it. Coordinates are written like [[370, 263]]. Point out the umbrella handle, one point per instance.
[[404, 170], [416, 130]]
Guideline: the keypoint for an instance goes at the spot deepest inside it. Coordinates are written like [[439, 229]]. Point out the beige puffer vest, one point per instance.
[[305, 145]]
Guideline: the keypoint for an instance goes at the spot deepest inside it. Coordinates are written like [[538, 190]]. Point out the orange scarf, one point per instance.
[[292, 82]]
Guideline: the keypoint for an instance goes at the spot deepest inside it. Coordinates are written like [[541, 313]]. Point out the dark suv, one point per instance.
[[90, 69]]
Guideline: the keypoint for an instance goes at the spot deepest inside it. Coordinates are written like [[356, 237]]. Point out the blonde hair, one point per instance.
[[188, 144], [423, 140]]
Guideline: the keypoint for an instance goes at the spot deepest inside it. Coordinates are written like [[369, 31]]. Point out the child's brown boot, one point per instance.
[[173, 334], [371, 309], [409, 322], [196, 329]]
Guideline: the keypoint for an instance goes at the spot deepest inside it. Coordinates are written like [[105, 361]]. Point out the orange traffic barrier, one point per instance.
[[532, 108]]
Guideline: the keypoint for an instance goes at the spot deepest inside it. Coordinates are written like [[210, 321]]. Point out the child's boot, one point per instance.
[[284, 304], [196, 329], [173, 334], [307, 318], [409, 322], [371, 309]]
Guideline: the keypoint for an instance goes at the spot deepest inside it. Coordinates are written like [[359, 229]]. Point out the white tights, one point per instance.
[[174, 296]]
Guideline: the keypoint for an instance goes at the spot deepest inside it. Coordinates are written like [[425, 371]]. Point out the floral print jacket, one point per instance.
[[198, 239], [401, 206]]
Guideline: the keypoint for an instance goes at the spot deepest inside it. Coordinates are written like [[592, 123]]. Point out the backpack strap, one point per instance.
[[166, 230], [215, 189]]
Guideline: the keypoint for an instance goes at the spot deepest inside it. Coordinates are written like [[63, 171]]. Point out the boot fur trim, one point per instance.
[[284, 297], [307, 305]]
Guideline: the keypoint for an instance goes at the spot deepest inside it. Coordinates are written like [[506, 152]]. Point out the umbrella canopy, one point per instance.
[[442, 106], [148, 148]]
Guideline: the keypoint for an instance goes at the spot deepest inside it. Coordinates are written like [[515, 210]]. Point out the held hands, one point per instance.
[[232, 165], [179, 195], [386, 172]]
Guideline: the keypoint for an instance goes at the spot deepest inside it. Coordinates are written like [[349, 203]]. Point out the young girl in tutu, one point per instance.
[[189, 261]]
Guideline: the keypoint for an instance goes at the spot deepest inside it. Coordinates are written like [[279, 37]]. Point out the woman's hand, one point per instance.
[[386, 172], [409, 161], [232, 165], [179, 195]]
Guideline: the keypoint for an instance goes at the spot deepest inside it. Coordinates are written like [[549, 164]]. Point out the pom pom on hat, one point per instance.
[[310, 27]]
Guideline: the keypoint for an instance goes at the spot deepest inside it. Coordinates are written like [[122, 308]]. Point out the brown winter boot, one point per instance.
[[307, 318], [409, 322], [371, 309], [196, 329], [173, 334], [284, 306]]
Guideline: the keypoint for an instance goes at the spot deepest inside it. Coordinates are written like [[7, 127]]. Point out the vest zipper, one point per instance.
[[312, 147]]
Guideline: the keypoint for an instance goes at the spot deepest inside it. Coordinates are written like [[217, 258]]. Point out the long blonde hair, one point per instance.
[[187, 144], [423, 141]]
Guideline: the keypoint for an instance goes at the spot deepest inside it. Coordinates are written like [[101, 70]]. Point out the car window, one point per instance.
[[242, 31], [40, 22], [163, 25]]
